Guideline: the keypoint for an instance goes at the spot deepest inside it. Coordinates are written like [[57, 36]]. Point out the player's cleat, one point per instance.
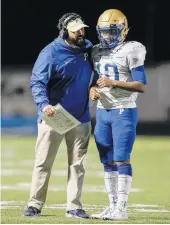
[[117, 215], [106, 212], [32, 211], [77, 213]]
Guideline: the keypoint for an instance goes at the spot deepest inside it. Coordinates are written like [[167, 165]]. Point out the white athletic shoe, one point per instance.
[[117, 215], [106, 212]]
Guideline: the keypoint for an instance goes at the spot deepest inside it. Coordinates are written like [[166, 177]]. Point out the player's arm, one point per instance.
[[135, 60], [131, 86], [137, 86], [138, 82]]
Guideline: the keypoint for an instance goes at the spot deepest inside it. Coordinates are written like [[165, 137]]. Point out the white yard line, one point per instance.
[[11, 172], [86, 188], [7, 153], [132, 208], [151, 210]]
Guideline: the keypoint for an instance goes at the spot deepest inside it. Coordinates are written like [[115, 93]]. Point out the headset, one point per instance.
[[62, 26]]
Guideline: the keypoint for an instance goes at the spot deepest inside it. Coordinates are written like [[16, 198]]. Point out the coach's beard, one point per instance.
[[78, 42]]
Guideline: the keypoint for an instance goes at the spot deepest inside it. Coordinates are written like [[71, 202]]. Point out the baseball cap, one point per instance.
[[75, 25]]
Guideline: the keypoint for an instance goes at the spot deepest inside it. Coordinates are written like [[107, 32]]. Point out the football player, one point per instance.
[[120, 67]]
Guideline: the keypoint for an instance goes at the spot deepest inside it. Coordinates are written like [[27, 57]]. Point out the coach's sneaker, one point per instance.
[[106, 212], [32, 211], [77, 213], [117, 215]]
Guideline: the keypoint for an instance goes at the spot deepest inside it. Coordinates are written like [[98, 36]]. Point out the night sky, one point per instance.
[[28, 26]]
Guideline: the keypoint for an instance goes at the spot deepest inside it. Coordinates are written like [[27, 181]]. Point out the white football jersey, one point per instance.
[[116, 65]]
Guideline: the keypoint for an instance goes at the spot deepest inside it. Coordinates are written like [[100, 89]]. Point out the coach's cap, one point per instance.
[[75, 25]]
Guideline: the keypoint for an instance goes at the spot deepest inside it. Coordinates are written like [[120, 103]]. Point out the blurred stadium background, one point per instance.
[[27, 26]]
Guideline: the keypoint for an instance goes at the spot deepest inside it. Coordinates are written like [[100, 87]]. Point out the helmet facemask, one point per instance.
[[110, 36]]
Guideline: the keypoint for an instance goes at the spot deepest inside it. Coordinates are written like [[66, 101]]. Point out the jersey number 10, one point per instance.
[[106, 70]]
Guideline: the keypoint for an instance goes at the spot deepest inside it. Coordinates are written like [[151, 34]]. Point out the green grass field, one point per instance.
[[149, 201]]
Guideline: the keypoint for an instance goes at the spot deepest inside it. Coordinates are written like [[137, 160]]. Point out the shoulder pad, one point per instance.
[[136, 54], [135, 47]]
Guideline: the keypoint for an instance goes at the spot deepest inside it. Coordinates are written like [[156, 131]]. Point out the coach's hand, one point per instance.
[[94, 93], [49, 110]]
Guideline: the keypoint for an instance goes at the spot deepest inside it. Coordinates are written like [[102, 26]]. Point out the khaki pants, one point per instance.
[[48, 142]]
